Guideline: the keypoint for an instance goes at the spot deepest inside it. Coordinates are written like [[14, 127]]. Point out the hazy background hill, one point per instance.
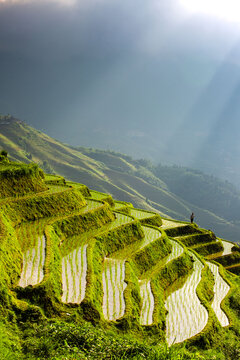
[[173, 191], [149, 78]]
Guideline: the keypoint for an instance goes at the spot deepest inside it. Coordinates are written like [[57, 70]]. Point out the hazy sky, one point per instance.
[[155, 78]]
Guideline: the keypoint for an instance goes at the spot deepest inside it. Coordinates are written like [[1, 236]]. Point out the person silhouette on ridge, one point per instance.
[[192, 217]]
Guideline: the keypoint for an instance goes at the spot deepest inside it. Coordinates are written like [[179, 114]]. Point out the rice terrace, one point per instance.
[[85, 276]]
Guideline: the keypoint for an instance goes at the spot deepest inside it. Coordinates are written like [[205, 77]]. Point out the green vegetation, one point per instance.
[[82, 188], [146, 217], [196, 239], [100, 196], [151, 252], [228, 260], [209, 248], [42, 205], [85, 277], [10, 264], [54, 179], [3, 157], [19, 179], [172, 191], [58, 340], [93, 216]]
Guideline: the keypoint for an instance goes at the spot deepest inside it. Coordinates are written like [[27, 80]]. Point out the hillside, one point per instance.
[[75, 262], [164, 189]]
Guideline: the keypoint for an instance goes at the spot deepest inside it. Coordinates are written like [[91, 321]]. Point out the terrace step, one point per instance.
[[52, 202], [221, 289], [227, 246], [177, 250], [82, 188], [31, 237], [122, 206], [51, 179], [229, 259], [74, 272], [20, 179], [97, 195], [113, 277], [169, 224], [33, 244], [112, 303], [146, 315], [235, 269], [94, 214], [175, 228], [196, 239], [186, 315], [208, 248], [121, 221], [33, 264], [146, 217], [227, 249]]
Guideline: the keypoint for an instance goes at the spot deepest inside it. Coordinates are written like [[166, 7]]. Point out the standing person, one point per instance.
[[192, 217]]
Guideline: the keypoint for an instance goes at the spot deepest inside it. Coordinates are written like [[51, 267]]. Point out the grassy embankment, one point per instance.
[[64, 218]]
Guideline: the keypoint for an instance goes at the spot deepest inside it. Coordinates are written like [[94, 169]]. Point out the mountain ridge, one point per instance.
[[130, 180]]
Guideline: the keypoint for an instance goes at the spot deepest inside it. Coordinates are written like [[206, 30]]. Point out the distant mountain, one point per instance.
[[172, 191]]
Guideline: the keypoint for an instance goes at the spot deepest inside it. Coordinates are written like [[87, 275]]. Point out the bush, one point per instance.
[[69, 341], [4, 153]]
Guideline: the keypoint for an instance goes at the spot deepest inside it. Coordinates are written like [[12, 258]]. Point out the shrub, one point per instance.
[[4, 153]]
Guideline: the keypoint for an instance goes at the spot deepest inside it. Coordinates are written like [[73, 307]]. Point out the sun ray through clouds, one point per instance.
[[228, 10]]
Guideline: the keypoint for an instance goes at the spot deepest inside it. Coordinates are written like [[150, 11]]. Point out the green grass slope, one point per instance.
[[17, 179], [73, 264], [134, 181]]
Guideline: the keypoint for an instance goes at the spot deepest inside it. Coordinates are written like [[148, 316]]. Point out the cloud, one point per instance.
[[106, 63]]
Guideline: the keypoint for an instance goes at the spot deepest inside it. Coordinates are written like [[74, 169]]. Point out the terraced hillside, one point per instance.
[[68, 252], [172, 191], [205, 243]]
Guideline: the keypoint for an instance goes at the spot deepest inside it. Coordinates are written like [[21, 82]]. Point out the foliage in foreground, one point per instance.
[[63, 341], [68, 341]]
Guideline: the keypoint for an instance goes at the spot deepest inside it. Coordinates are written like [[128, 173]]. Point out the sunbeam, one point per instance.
[[228, 10]]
